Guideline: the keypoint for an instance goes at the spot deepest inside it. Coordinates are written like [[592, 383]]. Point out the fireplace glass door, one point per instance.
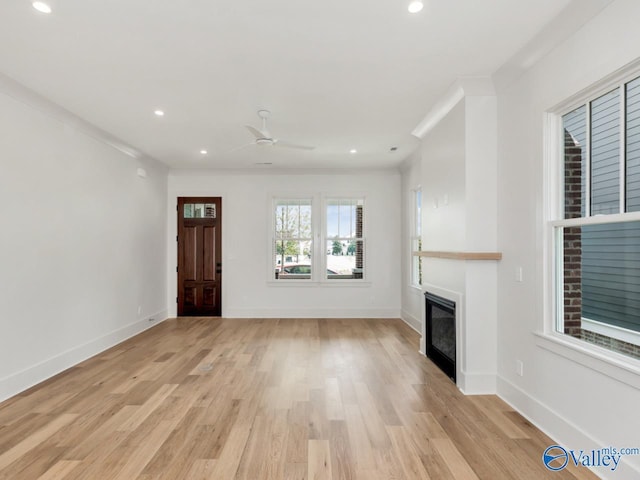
[[441, 333]]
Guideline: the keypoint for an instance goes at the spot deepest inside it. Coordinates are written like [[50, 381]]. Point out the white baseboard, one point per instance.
[[20, 381], [312, 313], [563, 433], [412, 321], [476, 383]]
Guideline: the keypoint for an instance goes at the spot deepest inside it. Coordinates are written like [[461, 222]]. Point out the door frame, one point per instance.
[[172, 244], [218, 242]]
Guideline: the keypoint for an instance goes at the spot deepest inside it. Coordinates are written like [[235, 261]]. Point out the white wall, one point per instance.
[[479, 364], [82, 244], [577, 405], [443, 199], [247, 264], [439, 168]]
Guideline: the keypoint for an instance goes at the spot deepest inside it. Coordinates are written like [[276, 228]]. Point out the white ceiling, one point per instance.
[[337, 74]]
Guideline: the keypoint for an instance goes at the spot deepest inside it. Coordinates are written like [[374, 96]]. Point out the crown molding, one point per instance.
[[571, 19], [461, 88], [26, 96], [189, 172]]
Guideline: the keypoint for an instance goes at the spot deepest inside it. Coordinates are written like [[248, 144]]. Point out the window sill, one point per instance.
[[611, 364], [349, 283]]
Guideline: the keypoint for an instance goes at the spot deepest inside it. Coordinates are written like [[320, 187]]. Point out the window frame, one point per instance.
[[608, 362], [326, 199], [273, 239], [415, 239], [319, 203]]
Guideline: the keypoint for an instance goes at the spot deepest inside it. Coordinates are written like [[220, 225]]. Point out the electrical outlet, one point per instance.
[[152, 319], [519, 368], [139, 310], [519, 274]]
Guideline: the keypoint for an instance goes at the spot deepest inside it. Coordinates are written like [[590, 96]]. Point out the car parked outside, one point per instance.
[[301, 269]]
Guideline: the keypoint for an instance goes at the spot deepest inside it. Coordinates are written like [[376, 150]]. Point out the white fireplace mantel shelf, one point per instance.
[[460, 255]]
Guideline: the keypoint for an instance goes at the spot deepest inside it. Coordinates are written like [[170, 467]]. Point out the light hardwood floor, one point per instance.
[[256, 399]]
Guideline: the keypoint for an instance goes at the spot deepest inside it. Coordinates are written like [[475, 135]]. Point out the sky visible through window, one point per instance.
[[341, 218]]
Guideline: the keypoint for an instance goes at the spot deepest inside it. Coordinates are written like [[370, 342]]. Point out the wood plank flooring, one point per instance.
[[255, 399]]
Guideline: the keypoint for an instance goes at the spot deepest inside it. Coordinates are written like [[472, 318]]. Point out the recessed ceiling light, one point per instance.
[[159, 113], [415, 7], [203, 152], [41, 7], [353, 150]]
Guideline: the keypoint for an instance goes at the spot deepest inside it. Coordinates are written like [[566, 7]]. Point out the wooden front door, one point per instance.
[[199, 256]]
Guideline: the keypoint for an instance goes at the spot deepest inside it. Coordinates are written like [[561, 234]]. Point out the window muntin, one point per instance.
[[345, 238], [293, 239], [598, 243]]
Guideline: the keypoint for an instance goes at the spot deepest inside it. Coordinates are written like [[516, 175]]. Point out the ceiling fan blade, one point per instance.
[[257, 133], [283, 144]]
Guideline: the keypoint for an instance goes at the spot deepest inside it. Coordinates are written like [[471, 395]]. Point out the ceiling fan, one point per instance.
[[264, 138]]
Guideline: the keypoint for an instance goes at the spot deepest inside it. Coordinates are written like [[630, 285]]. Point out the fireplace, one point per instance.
[[440, 324]]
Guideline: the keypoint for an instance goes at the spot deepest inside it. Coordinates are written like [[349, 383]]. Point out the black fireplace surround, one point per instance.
[[441, 333]]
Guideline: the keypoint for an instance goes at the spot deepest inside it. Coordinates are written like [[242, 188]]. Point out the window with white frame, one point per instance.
[[597, 233], [416, 238], [293, 239], [339, 253], [344, 239]]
